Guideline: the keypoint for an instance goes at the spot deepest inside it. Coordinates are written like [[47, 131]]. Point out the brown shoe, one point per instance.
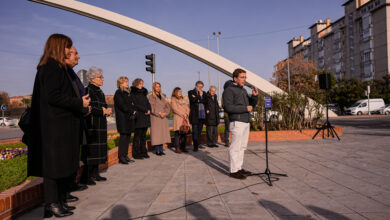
[[237, 175], [245, 172], [178, 151]]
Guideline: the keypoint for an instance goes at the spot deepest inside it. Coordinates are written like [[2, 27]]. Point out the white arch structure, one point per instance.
[[175, 42]]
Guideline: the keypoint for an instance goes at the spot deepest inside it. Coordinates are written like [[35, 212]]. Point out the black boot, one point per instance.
[[67, 207], [123, 160], [70, 198], [96, 174], [55, 209]]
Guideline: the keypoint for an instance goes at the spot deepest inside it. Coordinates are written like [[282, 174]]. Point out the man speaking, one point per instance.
[[238, 104]]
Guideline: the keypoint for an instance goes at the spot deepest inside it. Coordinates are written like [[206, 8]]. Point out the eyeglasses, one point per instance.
[[100, 77]]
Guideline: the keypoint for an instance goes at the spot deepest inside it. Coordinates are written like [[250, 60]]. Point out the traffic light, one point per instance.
[[150, 63]]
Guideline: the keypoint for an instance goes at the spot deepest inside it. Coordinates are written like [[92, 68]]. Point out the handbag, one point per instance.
[[25, 125], [185, 127]]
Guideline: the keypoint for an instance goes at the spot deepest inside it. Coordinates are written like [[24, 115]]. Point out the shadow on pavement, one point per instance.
[[198, 211], [284, 213], [119, 212]]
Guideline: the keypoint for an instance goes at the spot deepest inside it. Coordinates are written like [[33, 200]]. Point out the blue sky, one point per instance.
[[254, 35]]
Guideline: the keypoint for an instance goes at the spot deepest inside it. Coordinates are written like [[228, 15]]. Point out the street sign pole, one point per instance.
[[368, 96], [3, 109]]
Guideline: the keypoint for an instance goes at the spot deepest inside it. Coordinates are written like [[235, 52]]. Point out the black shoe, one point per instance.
[[67, 207], [146, 156], [216, 145], [88, 182], [245, 172], [210, 146], [195, 149], [237, 175], [127, 159], [79, 187], [131, 161], [100, 178], [123, 160], [138, 157], [55, 209], [70, 198], [158, 154], [162, 153], [184, 150]]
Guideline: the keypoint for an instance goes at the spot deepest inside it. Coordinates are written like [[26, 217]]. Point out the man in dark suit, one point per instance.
[[198, 100]]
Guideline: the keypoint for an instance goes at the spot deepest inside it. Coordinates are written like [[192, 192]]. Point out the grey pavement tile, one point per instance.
[[376, 215], [248, 209], [360, 203]]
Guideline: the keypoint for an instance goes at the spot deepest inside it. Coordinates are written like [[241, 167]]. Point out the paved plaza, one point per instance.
[[327, 179]]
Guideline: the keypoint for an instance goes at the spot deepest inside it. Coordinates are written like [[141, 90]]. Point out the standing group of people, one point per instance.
[[65, 117]]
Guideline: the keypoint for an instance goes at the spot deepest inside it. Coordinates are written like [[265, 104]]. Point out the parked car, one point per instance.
[[361, 107], [6, 121], [335, 108], [385, 110]]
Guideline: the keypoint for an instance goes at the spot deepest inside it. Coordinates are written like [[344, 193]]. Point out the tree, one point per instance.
[[4, 98], [26, 102], [302, 76]]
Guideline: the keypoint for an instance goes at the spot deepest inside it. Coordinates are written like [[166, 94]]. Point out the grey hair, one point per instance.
[[212, 87], [93, 72]]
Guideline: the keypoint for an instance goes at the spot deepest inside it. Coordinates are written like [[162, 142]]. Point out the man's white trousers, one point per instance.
[[240, 134]]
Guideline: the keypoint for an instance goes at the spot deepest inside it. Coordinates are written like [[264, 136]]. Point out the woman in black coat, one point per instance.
[[95, 151], [142, 118], [55, 134], [124, 116], [212, 117]]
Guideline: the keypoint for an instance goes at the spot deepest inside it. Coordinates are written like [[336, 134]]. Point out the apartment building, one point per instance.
[[356, 45]]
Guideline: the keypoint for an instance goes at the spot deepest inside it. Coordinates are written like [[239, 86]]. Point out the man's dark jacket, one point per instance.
[[56, 111], [195, 99], [235, 102], [212, 118]]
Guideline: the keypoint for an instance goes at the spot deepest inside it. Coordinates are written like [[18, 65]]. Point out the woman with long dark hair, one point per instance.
[[55, 136]]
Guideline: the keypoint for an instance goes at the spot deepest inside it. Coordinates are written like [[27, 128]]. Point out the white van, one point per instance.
[[361, 107]]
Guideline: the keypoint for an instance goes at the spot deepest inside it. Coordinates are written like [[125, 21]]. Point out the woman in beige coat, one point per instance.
[[159, 129], [181, 111]]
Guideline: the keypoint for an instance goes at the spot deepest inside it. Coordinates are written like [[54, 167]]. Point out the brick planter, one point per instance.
[[21, 198]]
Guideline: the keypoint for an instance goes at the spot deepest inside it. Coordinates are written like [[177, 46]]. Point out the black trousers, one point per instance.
[[54, 190], [139, 143], [196, 132], [227, 129], [180, 140], [123, 148], [212, 135]]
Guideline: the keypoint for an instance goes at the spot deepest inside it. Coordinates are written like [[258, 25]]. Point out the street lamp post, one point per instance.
[[208, 67], [217, 34]]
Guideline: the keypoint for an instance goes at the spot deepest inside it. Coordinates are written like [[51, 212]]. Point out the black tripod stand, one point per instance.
[[326, 126], [267, 171]]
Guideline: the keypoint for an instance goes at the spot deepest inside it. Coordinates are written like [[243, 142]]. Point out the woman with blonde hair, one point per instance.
[[181, 111], [159, 129], [125, 114]]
